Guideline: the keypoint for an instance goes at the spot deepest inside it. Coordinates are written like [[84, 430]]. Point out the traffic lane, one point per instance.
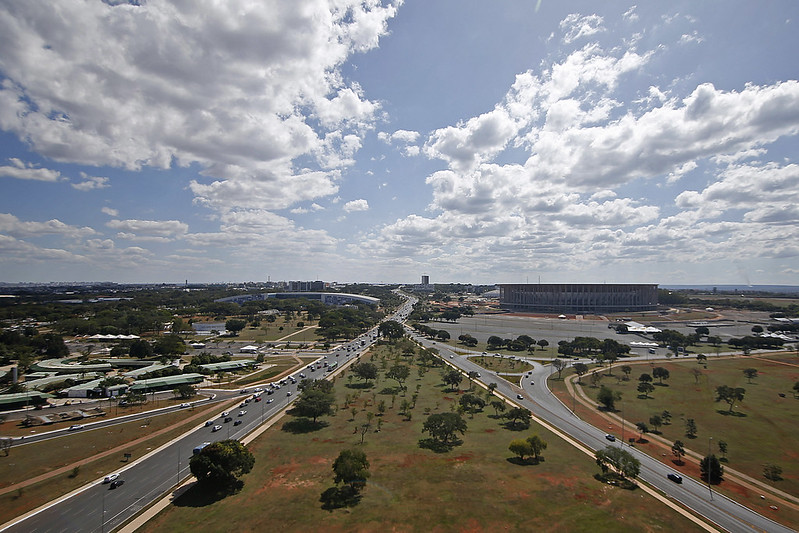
[[721, 510]]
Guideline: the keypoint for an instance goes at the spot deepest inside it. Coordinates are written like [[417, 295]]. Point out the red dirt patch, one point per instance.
[[461, 458], [490, 430]]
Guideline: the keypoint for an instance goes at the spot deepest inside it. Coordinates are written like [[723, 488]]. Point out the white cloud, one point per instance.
[[90, 183], [11, 225], [575, 26], [356, 205], [27, 171], [630, 15], [142, 229], [110, 212], [238, 89]]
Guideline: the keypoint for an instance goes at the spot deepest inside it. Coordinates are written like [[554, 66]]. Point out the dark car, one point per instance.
[[228, 418], [237, 422], [117, 483], [677, 478]]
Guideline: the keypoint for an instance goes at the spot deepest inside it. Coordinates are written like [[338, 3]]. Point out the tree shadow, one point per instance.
[[207, 493], [360, 386], [524, 462], [731, 413], [340, 497], [303, 425], [660, 384], [437, 446], [391, 390], [645, 397], [518, 426]]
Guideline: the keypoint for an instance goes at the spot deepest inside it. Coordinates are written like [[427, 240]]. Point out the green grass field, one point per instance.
[[501, 364], [476, 486], [763, 428]]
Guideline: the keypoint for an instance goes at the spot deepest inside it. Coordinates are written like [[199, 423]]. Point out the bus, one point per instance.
[[332, 366]]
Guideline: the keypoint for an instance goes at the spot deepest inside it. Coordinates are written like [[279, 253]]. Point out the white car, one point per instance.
[[75, 427], [184, 405], [270, 400], [216, 428], [110, 477], [225, 413], [242, 413]]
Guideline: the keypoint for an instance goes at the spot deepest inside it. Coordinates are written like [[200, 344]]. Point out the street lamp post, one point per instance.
[[709, 440]]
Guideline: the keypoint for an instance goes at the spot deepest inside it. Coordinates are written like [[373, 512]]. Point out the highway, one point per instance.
[[98, 508], [716, 508]]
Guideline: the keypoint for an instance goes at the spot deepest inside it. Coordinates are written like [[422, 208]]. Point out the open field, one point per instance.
[[476, 486], [40, 458], [763, 428], [501, 364]]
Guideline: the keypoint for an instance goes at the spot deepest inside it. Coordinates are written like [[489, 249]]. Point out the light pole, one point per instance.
[[707, 467]]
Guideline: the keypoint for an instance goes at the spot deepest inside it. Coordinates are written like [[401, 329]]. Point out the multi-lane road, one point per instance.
[[716, 508], [98, 507]]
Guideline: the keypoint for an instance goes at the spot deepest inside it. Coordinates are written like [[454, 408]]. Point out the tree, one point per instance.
[[645, 388], [141, 349], [608, 397], [627, 370], [666, 416], [711, 470], [494, 342], [391, 329], [235, 325], [537, 445], [399, 373], [702, 331], [645, 378], [559, 365], [520, 447], [452, 378], [312, 403], [472, 403], [656, 421], [365, 371], [543, 343], [660, 373], [757, 330], [690, 428], [443, 427], [580, 368], [620, 460], [443, 335], [772, 472], [472, 375], [723, 448], [186, 391], [701, 358], [643, 429], [519, 416], [498, 405], [221, 464], [678, 450], [750, 374], [730, 395], [352, 468]]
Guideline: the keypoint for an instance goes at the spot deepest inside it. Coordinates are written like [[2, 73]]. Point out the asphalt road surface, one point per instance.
[[98, 507], [715, 507]]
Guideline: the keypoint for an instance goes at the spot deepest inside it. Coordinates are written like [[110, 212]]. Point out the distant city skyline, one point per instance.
[[379, 141]]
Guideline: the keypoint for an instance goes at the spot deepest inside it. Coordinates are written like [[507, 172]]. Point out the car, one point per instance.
[[184, 405], [228, 418], [75, 427], [519, 397], [302, 375], [258, 399], [216, 428], [243, 391], [532, 383], [610, 437], [209, 423], [677, 478], [243, 404], [242, 413], [270, 400], [237, 422], [225, 413], [117, 483], [110, 477]]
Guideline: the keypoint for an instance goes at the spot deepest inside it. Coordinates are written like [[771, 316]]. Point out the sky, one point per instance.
[[375, 141]]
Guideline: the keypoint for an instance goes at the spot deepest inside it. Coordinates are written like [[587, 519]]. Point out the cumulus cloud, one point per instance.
[[142, 229], [575, 26], [13, 226], [27, 171], [356, 205], [110, 212], [236, 89], [90, 183]]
